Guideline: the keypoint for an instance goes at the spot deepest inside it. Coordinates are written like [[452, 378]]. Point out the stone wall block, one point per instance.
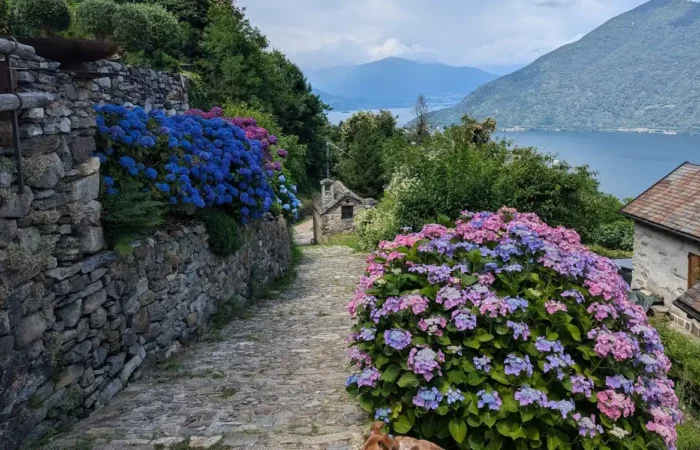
[[13, 204]]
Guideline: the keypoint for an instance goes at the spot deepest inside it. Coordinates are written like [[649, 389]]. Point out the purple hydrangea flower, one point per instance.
[[482, 363], [563, 406], [588, 427], [428, 398], [558, 362], [529, 396], [515, 365], [367, 334], [620, 382], [397, 339], [425, 362], [382, 414], [515, 303], [574, 294], [544, 345], [520, 330], [352, 379], [368, 377], [581, 385], [463, 319], [454, 395], [489, 399]]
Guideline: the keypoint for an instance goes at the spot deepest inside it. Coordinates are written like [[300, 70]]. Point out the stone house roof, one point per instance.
[[689, 302], [340, 192], [672, 204]]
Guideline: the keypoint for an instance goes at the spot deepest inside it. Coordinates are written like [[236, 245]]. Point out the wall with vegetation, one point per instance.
[[77, 322]]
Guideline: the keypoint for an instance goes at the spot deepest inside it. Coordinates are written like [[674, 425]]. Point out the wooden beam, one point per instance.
[[10, 102], [23, 51]]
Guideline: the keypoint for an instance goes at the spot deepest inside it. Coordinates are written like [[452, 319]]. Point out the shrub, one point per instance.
[[224, 237], [131, 213], [185, 160], [139, 26], [501, 332], [613, 254], [96, 17], [44, 17], [618, 235], [684, 353]]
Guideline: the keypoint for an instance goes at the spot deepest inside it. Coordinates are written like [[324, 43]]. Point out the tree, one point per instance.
[[363, 137], [421, 109]]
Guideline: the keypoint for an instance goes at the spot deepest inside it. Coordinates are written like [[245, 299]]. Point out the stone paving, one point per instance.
[[274, 379]]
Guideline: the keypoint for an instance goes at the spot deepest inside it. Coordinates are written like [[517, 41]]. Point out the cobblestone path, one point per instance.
[[274, 380]]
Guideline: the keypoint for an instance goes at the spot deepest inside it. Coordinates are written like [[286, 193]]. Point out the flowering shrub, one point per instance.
[[503, 332], [186, 160]]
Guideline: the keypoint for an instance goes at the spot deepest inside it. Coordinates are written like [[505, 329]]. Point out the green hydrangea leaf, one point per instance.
[[408, 379], [391, 373], [402, 425], [458, 429], [476, 441], [367, 403], [574, 331]]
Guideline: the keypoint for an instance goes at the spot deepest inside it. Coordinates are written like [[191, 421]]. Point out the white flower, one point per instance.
[[619, 432]]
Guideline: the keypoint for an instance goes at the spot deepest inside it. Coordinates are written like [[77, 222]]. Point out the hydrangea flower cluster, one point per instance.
[[187, 160], [513, 329]]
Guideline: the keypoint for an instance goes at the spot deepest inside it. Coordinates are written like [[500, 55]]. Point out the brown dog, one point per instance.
[[381, 441]]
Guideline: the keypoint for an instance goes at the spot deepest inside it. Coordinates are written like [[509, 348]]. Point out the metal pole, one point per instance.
[[328, 152], [15, 122]]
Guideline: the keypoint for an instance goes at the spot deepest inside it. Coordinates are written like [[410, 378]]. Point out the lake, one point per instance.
[[403, 115], [627, 163]]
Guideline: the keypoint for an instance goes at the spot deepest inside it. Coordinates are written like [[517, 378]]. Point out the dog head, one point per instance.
[[378, 440]]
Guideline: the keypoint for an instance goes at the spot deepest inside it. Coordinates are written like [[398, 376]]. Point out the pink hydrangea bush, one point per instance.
[[499, 331]]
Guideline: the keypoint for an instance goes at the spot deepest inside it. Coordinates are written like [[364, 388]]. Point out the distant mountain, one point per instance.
[[395, 82], [640, 69]]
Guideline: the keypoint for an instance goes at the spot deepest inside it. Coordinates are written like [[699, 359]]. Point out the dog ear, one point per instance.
[[377, 427], [386, 442]]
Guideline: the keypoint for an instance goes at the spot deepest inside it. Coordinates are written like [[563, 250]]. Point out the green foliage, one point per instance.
[[361, 163], [623, 75], [145, 28], [131, 212], [689, 434], [96, 17], [618, 235], [612, 254], [224, 236], [43, 17], [463, 169], [684, 352]]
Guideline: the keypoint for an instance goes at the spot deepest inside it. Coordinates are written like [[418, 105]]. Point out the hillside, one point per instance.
[[640, 69], [397, 82]]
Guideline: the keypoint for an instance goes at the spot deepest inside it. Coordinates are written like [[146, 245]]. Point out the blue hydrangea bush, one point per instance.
[[500, 332], [189, 160]]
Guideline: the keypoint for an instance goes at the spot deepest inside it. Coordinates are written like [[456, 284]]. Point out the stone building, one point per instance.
[[666, 258], [335, 210]]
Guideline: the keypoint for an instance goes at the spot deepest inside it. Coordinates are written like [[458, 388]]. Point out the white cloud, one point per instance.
[[324, 33]]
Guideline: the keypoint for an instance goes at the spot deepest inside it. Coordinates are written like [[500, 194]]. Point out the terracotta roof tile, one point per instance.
[[672, 203]]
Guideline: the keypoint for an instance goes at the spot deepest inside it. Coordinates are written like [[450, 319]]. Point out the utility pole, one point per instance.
[[328, 157]]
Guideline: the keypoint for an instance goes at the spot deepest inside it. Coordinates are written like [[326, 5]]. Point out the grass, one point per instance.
[[346, 240]]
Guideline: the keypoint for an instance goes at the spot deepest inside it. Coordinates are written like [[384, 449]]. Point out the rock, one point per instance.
[[61, 273], [116, 363], [129, 368], [14, 205], [4, 323], [71, 93], [33, 113], [92, 165], [98, 318], [94, 301], [85, 189], [44, 171], [69, 375], [92, 240], [71, 313], [8, 231], [98, 260], [81, 148], [203, 441], [30, 329], [110, 391], [167, 442], [82, 122], [6, 179], [29, 238], [78, 352]]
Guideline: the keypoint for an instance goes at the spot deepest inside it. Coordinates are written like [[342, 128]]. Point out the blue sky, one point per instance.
[[485, 33]]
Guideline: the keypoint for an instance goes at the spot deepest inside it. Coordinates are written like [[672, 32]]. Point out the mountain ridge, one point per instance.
[[395, 82], [638, 70]]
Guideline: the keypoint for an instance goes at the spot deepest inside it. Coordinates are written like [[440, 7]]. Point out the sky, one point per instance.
[[490, 34]]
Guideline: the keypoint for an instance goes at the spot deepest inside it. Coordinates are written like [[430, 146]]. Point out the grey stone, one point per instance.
[[4, 323], [92, 165], [44, 171], [14, 205], [8, 231], [98, 273], [98, 260], [110, 391], [92, 240], [85, 189], [82, 122], [61, 273], [29, 238], [94, 301], [116, 363], [70, 375], [129, 368], [71, 93], [6, 179], [33, 113], [30, 329], [78, 352], [6, 345], [81, 148], [98, 318], [70, 314]]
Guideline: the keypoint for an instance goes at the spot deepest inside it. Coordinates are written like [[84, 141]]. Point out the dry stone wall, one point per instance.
[[77, 322]]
